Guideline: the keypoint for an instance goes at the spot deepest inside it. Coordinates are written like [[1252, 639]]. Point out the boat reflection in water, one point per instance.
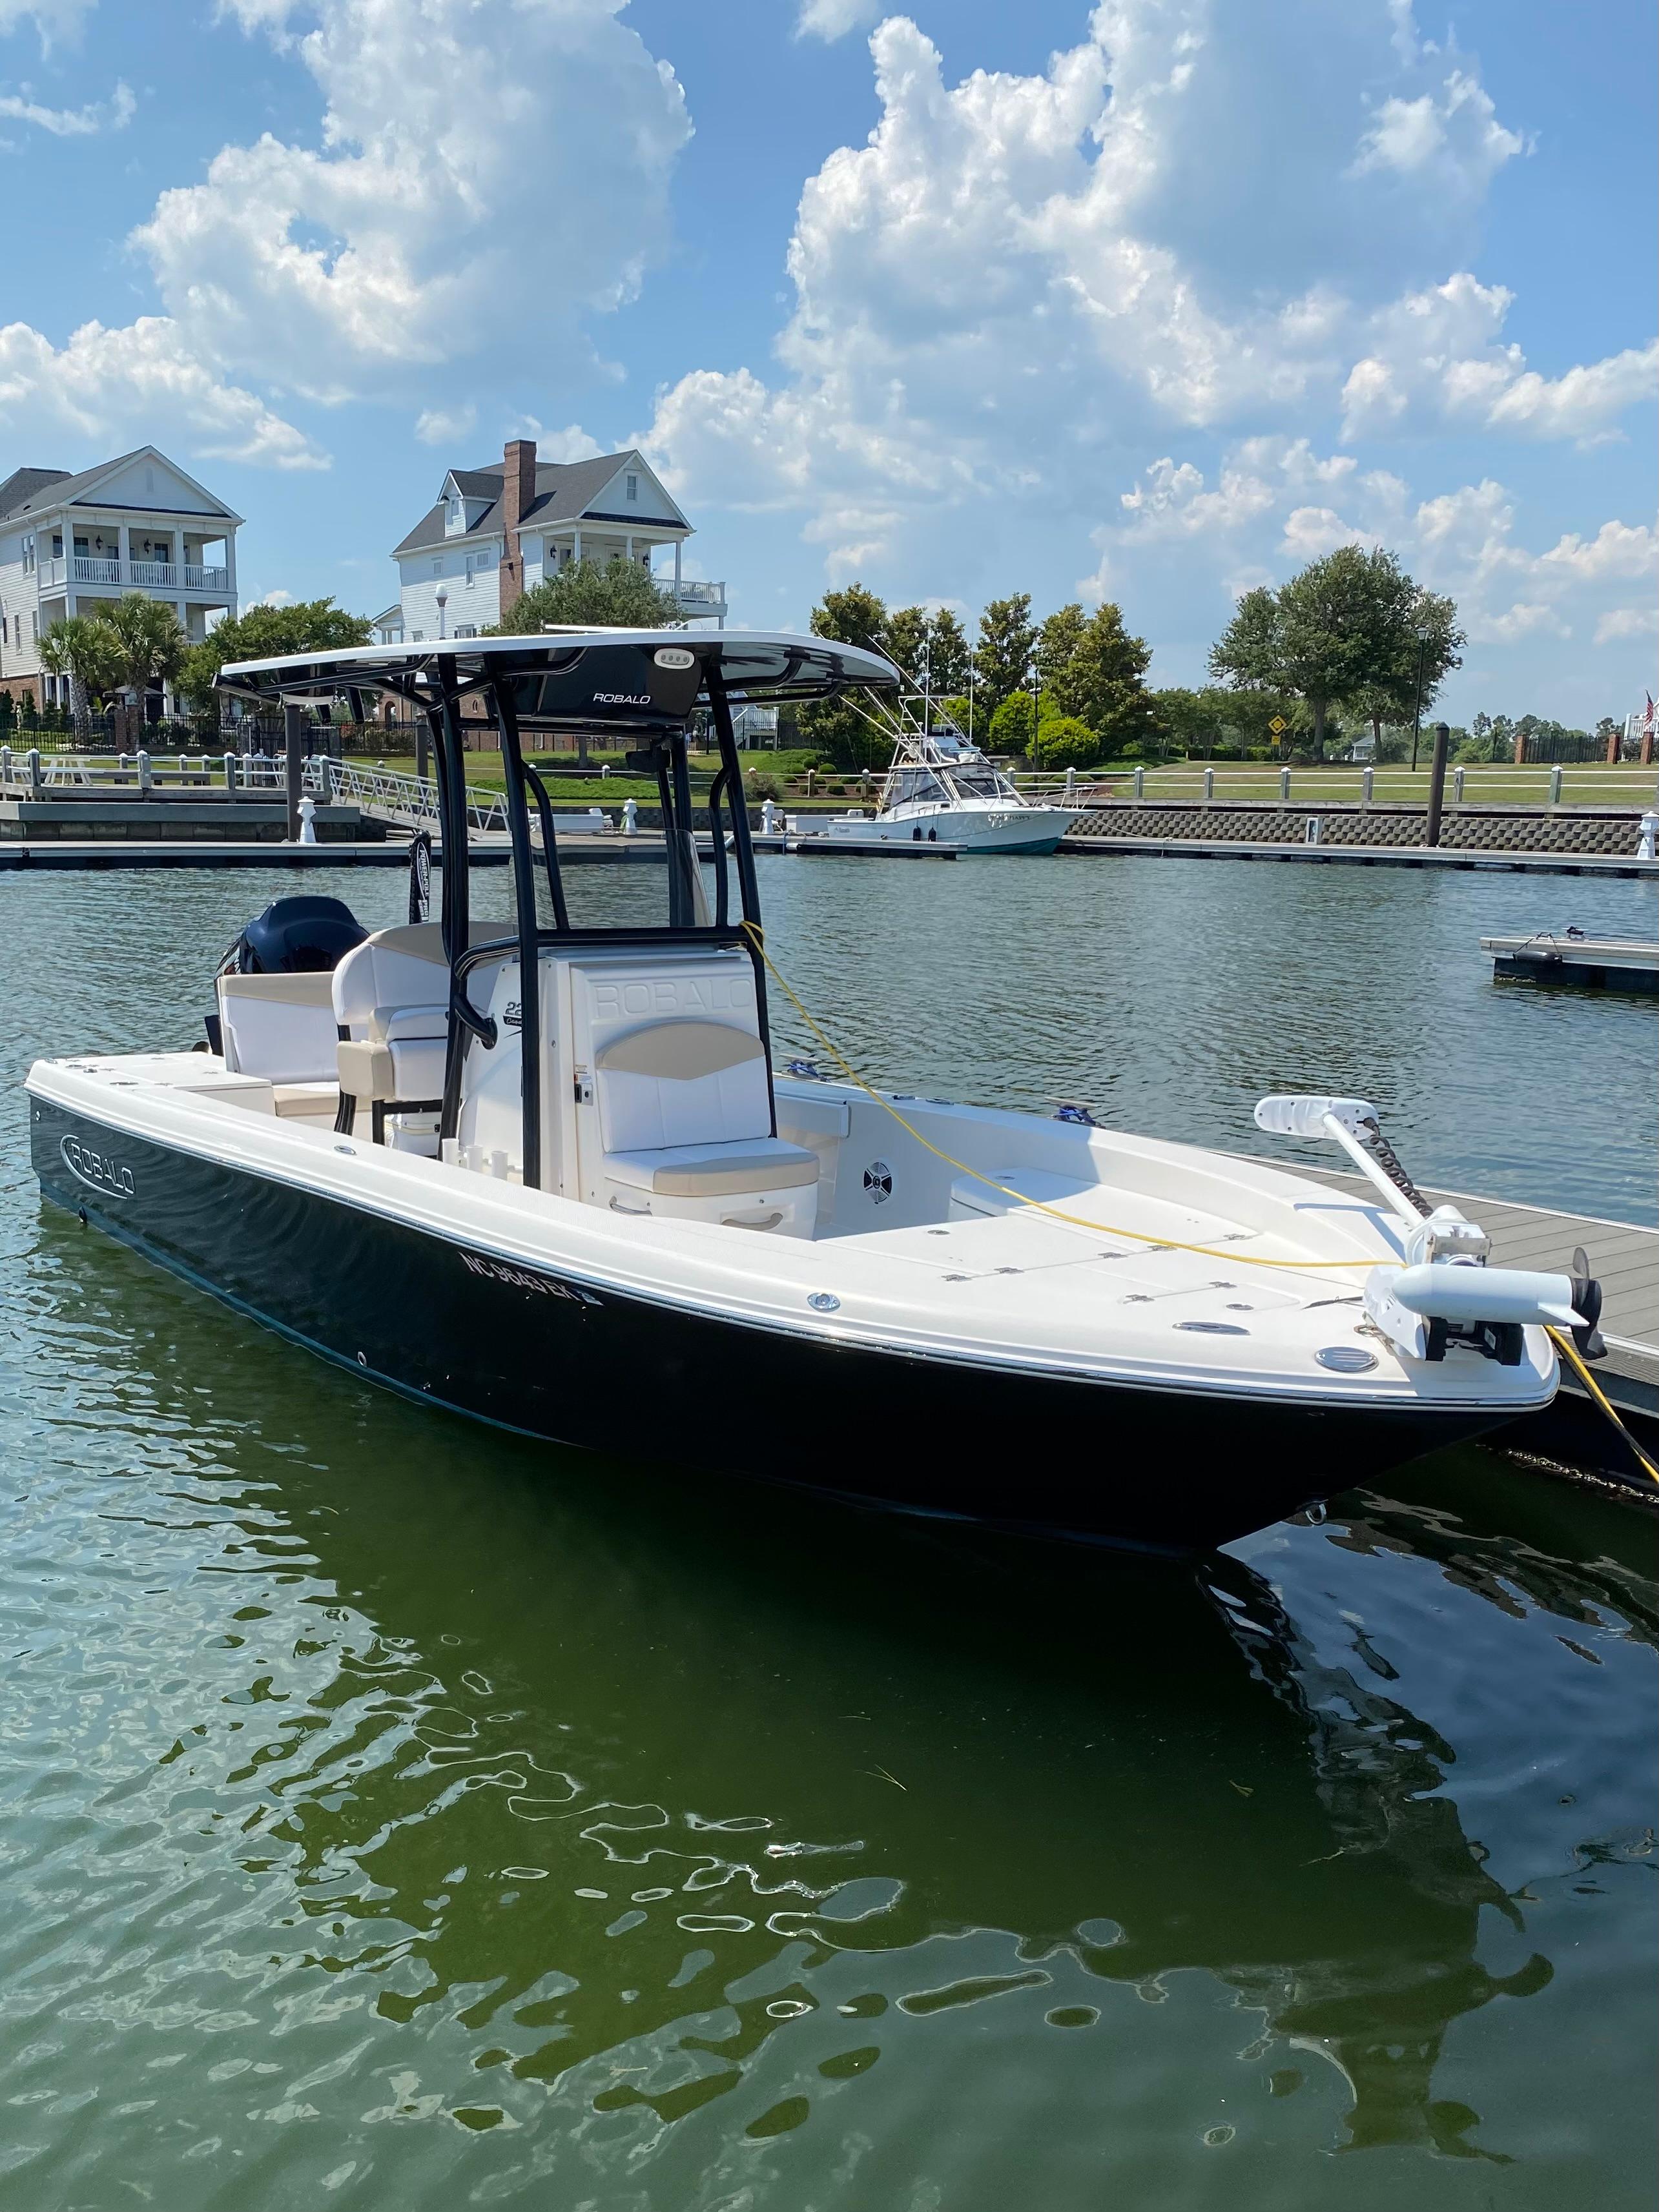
[[634, 1832]]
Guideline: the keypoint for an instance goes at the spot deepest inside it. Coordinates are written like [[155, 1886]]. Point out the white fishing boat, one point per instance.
[[541, 1171], [940, 789]]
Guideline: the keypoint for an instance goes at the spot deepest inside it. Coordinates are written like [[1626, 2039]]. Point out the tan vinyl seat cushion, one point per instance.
[[678, 1052], [305, 1102], [751, 1165]]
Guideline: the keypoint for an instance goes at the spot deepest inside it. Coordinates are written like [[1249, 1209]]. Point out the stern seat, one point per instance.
[[281, 1027], [391, 1002], [685, 1119]]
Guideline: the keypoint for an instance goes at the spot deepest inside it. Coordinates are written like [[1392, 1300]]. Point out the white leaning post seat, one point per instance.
[[390, 1001], [282, 1028], [686, 1124]]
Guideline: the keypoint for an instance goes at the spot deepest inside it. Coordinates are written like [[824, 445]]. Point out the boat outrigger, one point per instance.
[[541, 1171]]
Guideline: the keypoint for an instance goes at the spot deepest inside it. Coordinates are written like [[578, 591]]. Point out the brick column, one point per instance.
[[518, 496]]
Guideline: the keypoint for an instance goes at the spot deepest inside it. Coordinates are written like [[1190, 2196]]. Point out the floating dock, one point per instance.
[[1592, 963], [487, 851]]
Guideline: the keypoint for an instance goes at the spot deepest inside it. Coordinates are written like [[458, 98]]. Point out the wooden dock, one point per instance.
[[1591, 963], [1625, 1260]]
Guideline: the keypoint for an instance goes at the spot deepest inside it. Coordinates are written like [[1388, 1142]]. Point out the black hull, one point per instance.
[[546, 1356]]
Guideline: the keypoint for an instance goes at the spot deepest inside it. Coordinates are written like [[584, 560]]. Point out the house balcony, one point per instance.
[[132, 575], [697, 599]]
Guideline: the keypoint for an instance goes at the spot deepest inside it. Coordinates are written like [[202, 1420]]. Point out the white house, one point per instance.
[[494, 533], [137, 524]]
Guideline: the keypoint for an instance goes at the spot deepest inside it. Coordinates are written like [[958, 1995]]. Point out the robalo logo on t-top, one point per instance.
[[98, 1170], [621, 698]]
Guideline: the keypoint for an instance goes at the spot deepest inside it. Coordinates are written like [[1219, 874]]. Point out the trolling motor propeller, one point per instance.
[[1587, 1305]]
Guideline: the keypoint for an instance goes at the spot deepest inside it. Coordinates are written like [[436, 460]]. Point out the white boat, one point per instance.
[[543, 1174], [941, 790]]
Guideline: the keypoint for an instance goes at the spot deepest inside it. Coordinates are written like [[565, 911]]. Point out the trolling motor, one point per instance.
[[1445, 1293]]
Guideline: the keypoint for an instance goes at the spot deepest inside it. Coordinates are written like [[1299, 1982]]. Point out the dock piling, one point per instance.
[[1436, 783]]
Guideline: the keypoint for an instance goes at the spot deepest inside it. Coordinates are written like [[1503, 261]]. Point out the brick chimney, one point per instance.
[[518, 496]]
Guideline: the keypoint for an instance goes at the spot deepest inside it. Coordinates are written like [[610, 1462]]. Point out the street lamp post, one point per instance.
[[1416, 718], [443, 603], [1036, 697]]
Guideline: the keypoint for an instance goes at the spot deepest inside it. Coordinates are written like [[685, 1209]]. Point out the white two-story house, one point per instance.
[[137, 524], [494, 533]]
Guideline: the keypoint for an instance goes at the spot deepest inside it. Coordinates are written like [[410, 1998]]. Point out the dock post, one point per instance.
[[1367, 785], [230, 773], [5, 766], [1457, 787], [294, 748], [144, 783], [1209, 786], [1284, 787], [1436, 783], [34, 772], [1555, 788], [422, 749], [1140, 785]]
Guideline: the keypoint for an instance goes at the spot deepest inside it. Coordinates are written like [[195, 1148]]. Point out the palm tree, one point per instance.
[[85, 651], [149, 645]]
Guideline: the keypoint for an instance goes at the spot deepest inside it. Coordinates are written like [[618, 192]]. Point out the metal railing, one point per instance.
[[1261, 784], [142, 575], [407, 799], [388, 791]]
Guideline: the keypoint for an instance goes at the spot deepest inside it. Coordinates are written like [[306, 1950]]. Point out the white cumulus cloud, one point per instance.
[[491, 171], [104, 388], [1018, 277], [833, 19], [112, 114], [1454, 137]]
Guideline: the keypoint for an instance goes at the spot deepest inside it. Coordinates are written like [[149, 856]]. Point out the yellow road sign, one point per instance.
[[1278, 724]]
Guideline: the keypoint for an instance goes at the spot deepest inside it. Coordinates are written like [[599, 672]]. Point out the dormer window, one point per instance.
[[632, 484], [454, 511]]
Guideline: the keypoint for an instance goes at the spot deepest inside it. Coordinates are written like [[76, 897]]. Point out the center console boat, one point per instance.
[[541, 1171]]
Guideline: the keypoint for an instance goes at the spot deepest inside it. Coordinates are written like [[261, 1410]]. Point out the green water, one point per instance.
[[399, 1816]]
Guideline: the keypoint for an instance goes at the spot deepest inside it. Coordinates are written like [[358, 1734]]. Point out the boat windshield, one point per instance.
[[912, 787], [977, 779]]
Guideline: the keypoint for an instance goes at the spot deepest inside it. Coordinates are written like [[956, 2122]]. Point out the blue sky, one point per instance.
[[1152, 301]]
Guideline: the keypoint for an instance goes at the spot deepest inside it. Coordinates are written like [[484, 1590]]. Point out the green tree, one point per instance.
[[1094, 671], [852, 617], [612, 595], [263, 633], [1009, 730], [847, 735], [1063, 742], [1003, 653], [1343, 629], [149, 647], [904, 640], [947, 644], [87, 652]]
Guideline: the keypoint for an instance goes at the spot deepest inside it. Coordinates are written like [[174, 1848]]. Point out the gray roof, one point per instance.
[[564, 491], [43, 489], [22, 485]]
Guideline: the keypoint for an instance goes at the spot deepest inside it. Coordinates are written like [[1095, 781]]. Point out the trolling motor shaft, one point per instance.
[[1444, 1292]]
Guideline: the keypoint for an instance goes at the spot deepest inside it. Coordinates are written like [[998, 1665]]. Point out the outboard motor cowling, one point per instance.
[[296, 936]]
